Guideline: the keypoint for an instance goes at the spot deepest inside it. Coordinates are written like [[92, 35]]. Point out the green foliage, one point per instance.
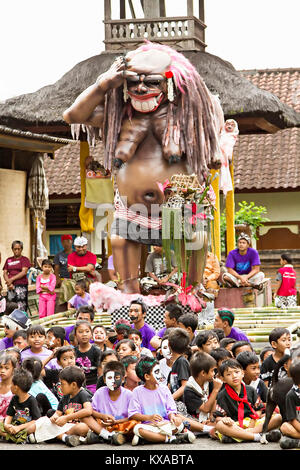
[[249, 214]]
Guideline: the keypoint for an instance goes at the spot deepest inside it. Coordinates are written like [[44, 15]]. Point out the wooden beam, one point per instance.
[[122, 9], [201, 11], [107, 9], [162, 8], [257, 123], [131, 9], [151, 8], [190, 8]]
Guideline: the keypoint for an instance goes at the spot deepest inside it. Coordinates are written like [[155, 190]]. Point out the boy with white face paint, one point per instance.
[[109, 420], [153, 406], [166, 362]]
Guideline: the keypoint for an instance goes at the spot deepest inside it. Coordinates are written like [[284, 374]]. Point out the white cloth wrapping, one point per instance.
[[46, 430]]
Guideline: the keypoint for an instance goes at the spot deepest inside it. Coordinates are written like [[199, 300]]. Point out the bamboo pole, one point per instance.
[[216, 245], [230, 230]]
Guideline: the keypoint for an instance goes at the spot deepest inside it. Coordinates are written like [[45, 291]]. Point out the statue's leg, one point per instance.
[[126, 256]]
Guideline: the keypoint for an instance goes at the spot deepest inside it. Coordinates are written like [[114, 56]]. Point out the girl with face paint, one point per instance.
[[166, 362]]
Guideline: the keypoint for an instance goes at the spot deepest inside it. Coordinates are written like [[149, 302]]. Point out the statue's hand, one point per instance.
[[114, 76]]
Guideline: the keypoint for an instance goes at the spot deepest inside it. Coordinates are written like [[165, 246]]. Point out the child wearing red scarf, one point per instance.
[[239, 408]]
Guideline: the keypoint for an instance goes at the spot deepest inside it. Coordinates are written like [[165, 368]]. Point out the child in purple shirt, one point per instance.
[[110, 408], [36, 337], [81, 297], [154, 407]]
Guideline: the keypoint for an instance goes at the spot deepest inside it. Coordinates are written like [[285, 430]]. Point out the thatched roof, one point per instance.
[[42, 110]]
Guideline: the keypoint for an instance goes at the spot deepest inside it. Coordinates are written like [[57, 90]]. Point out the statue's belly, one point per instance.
[[137, 179]]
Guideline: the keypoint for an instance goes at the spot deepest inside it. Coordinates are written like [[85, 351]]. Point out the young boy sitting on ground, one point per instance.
[[22, 410], [67, 423], [110, 408], [250, 364], [154, 407], [280, 340], [291, 428], [238, 409], [202, 388]]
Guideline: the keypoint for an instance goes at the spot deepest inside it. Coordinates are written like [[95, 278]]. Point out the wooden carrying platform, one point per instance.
[[241, 297]]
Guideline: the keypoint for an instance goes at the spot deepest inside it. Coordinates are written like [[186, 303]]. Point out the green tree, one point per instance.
[[249, 214]]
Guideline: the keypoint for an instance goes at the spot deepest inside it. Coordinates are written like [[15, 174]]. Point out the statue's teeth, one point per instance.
[[145, 105]]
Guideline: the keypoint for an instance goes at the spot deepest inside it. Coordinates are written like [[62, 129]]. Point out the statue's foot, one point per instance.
[[118, 162], [174, 159]]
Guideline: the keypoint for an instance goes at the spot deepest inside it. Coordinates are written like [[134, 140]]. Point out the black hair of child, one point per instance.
[[99, 326], [189, 320], [286, 257], [229, 364], [33, 365], [264, 351], [36, 329], [23, 379], [174, 310], [220, 353], [82, 284], [245, 358], [82, 322], [114, 366], [134, 331], [179, 341], [104, 354], [201, 361], [276, 333], [73, 374], [294, 371], [16, 350], [19, 333], [125, 341], [5, 358], [127, 360], [220, 333], [144, 366], [204, 336], [239, 344], [63, 350], [86, 309], [47, 262], [225, 341], [10, 307], [59, 333]]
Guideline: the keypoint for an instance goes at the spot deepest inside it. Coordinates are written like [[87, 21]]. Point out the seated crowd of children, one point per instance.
[[87, 384]]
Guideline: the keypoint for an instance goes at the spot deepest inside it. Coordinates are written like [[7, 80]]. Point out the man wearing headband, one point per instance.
[[243, 266]]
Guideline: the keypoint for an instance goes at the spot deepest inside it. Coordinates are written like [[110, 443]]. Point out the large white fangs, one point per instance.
[[146, 106]]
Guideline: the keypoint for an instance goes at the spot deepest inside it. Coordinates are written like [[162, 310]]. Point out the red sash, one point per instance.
[[242, 401]]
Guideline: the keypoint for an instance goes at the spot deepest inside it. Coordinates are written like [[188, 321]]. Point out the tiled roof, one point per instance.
[[270, 161], [63, 173], [284, 83], [265, 161]]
